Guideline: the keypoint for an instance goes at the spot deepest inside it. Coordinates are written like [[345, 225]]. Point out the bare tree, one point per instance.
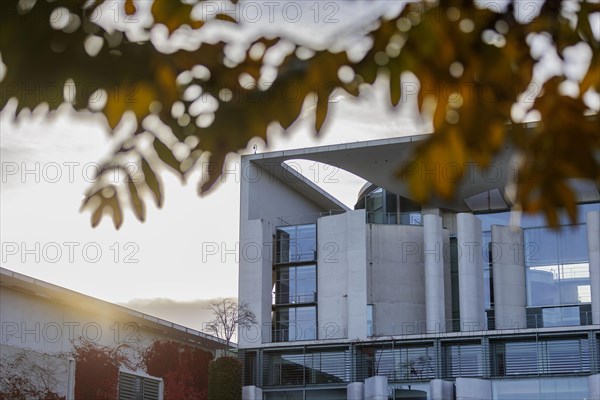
[[229, 315]]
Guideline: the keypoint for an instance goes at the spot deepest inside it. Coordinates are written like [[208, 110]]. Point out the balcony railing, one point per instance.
[[293, 333], [533, 321], [287, 299], [402, 218], [306, 218], [527, 355]]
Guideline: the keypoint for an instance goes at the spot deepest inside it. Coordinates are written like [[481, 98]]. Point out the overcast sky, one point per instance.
[[159, 266]]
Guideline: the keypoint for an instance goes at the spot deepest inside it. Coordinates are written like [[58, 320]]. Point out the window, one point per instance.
[[515, 358], [461, 360], [370, 320], [296, 243], [398, 364], [558, 271], [314, 367], [133, 386], [297, 284], [572, 388], [549, 356], [295, 323]]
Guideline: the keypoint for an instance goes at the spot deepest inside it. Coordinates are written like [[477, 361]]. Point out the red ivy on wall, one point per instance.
[[184, 369], [97, 370]]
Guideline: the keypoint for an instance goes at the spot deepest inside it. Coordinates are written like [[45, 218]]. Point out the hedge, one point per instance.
[[225, 379]]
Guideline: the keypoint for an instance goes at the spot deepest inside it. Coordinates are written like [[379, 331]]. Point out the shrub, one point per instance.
[[225, 379]]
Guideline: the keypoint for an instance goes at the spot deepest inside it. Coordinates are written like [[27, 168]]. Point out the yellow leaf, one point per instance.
[[130, 7]]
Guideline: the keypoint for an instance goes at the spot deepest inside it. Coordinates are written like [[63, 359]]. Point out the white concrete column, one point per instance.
[[355, 391], [252, 393], [470, 273], [356, 236], [441, 390], [342, 276], [473, 389], [255, 280], [593, 234], [376, 388], [434, 274], [594, 386], [508, 261]]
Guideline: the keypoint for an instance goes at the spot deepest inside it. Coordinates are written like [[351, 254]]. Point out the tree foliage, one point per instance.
[[473, 63], [225, 379]]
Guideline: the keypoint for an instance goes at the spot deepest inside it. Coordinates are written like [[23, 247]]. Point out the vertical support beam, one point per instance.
[[441, 390], [434, 274], [251, 393], [593, 234], [509, 277], [256, 280], [594, 352], [376, 388], [473, 389], [355, 391], [470, 273], [594, 386], [485, 357], [437, 350]]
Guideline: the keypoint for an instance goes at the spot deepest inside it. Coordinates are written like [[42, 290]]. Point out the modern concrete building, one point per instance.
[[59, 344], [461, 299]]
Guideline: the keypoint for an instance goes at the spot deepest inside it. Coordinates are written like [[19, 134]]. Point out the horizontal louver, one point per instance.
[[135, 387]]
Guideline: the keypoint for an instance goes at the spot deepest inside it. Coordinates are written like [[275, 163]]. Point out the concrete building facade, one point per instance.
[[398, 300]]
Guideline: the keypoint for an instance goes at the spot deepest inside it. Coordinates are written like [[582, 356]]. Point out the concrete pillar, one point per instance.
[[594, 386], [473, 389], [508, 260], [342, 276], [355, 391], [470, 273], [441, 390], [251, 393], [376, 388], [255, 280], [434, 274], [593, 234]]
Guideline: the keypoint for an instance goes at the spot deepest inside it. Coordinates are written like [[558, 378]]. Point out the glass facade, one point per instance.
[[571, 388], [295, 286], [556, 267], [310, 367], [551, 356], [536, 363], [295, 323], [296, 243], [397, 363], [385, 207], [462, 360]]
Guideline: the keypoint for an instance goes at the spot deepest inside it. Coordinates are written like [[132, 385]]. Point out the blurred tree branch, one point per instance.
[[473, 64]]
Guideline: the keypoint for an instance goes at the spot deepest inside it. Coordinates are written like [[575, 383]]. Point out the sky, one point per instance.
[[162, 266]]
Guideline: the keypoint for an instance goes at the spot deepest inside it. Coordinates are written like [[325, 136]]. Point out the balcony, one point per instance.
[[287, 299]]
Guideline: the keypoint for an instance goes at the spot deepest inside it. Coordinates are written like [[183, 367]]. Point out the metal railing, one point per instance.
[[399, 361], [298, 333], [532, 321], [402, 218], [305, 218], [286, 298]]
